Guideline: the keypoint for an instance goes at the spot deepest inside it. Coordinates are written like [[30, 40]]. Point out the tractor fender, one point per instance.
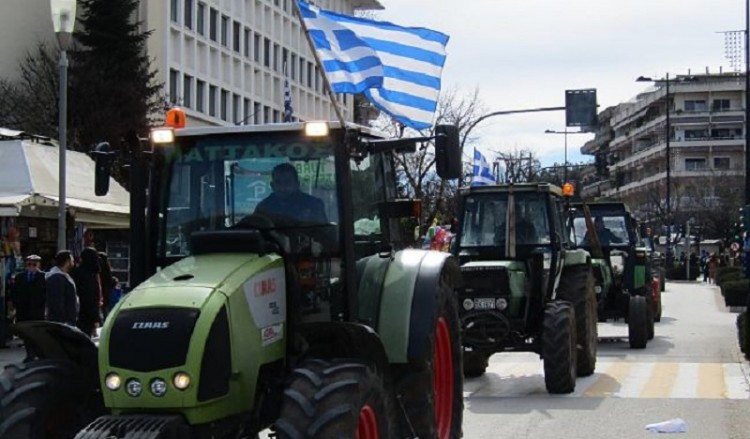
[[399, 294], [345, 340], [51, 340]]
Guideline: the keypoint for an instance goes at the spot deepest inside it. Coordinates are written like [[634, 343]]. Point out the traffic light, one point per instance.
[[103, 162]]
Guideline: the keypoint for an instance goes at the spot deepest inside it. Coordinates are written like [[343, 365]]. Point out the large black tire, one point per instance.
[[46, 399], [475, 363], [577, 287], [335, 399], [650, 319], [638, 317], [559, 347], [422, 394]]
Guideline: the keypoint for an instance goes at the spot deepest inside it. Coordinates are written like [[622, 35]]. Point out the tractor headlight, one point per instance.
[[468, 304], [113, 381], [133, 387], [181, 380], [158, 387], [501, 304]]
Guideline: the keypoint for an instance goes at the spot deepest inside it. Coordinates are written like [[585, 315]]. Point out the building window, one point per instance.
[[189, 14], [696, 134], [721, 163], [174, 13], [726, 133], [236, 115], [276, 116], [720, 105], [301, 70], [266, 52], [293, 67], [224, 30], [317, 79], [256, 113], [266, 114], [256, 48], [224, 104], [200, 89], [174, 84], [201, 17], [213, 24], [696, 105], [285, 61], [236, 36], [309, 74], [212, 100], [245, 110], [187, 91], [695, 164], [276, 54], [247, 43]]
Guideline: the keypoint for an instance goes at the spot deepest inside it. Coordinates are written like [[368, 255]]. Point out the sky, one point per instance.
[[524, 54]]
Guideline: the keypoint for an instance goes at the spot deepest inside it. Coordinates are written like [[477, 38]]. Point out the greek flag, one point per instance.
[[482, 175], [288, 110], [397, 68]]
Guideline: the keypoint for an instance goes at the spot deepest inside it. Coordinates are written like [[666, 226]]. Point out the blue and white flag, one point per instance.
[[482, 175], [398, 68], [288, 110]]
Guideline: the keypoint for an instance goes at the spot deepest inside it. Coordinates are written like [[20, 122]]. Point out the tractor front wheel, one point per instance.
[[577, 287], [430, 389], [335, 399], [559, 348], [45, 399]]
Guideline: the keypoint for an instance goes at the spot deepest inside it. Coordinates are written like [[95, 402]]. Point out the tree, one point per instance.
[[30, 103], [416, 172], [113, 88], [520, 166]]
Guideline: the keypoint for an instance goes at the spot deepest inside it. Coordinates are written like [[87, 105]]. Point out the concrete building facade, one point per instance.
[[222, 60], [707, 137]]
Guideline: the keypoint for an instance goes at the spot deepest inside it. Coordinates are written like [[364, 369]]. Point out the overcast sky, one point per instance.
[[526, 53]]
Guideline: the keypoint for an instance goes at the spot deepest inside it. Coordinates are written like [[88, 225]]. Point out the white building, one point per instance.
[[222, 60], [707, 138]]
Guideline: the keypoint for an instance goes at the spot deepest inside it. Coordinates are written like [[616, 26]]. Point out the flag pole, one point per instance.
[[326, 83]]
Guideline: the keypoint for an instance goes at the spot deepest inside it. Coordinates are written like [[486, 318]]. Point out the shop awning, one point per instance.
[[29, 177]]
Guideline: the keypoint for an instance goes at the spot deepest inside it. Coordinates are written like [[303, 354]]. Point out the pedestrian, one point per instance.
[[29, 291], [108, 283], [62, 301], [88, 288], [116, 294], [713, 264], [704, 265]]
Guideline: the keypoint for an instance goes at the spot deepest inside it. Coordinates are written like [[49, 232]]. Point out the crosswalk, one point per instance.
[[622, 379]]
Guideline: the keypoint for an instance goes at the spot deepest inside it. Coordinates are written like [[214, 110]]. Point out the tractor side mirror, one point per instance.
[[448, 152], [102, 155]]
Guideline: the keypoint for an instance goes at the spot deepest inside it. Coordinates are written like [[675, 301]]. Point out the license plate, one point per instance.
[[484, 303]]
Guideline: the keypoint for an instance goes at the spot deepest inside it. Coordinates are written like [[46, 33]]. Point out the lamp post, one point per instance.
[[63, 22], [565, 133]]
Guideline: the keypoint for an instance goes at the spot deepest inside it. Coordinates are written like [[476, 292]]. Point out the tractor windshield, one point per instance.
[[611, 230], [279, 182], [485, 217]]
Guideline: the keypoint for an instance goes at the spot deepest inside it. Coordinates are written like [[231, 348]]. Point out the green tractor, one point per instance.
[[303, 316], [524, 288], [626, 287]]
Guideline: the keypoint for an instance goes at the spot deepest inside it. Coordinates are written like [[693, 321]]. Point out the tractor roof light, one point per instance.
[[568, 190], [316, 129], [162, 135], [175, 118]]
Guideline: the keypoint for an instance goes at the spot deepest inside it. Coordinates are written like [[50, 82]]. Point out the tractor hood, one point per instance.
[[190, 281]]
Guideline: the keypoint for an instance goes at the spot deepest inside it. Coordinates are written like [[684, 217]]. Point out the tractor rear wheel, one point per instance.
[[577, 287], [335, 399], [559, 347], [45, 399], [638, 317], [430, 389], [475, 363]]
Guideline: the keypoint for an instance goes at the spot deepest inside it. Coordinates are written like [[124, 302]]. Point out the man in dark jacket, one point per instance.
[[88, 288], [62, 301], [29, 291]]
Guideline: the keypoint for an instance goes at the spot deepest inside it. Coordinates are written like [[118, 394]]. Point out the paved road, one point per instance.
[[692, 370]]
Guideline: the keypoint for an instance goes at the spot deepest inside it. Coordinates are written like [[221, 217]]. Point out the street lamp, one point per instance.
[[63, 22], [565, 165]]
